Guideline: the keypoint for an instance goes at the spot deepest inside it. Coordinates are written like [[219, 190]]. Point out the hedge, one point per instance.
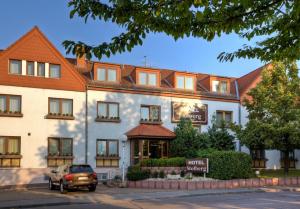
[[135, 173], [164, 162], [227, 165]]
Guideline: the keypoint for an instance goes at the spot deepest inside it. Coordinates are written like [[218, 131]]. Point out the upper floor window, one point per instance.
[[15, 67], [185, 82], [10, 150], [30, 68], [10, 105], [41, 69], [149, 79], [54, 71], [109, 75], [225, 116], [60, 108], [150, 113], [220, 87], [108, 111]]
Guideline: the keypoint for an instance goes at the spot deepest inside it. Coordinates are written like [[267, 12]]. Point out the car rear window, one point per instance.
[[81, 169]]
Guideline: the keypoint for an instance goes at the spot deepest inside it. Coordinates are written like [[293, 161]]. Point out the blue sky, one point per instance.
[[189, 54]]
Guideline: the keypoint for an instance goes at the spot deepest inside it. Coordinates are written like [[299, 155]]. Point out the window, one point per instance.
[[109, 75], [10, 105], [107, 153], [149, 79], [292, 159], [10, 149], [60, 108], [60, 151], [185, 82], [54, 71], [258, 158], [225, 116], [150, 113], [30, 68], [220, 87], [15, 67], [107, 111], [41, 69]]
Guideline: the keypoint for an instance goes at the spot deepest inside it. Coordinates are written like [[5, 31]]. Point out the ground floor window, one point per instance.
[[10, 151], [107, 153], [292, 159], [144, 149], [60, 151], [258, 158]]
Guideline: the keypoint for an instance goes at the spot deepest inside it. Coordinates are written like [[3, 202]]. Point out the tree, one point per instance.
[[276, 21], [274, 111], [220, 138], [187, 143]]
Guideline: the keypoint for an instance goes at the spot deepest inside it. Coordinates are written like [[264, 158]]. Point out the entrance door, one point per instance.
[[155, 149]]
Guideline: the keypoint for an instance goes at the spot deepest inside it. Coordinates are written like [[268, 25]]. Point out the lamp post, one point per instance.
[[123, 140]]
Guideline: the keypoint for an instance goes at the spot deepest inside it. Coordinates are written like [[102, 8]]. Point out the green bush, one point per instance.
[[135, 173], [227, 165], [164, 162], [154, 174], [161, 174]]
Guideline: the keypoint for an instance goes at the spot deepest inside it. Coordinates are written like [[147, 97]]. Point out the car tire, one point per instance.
[[62, 188], [50, 185], [92, 188]]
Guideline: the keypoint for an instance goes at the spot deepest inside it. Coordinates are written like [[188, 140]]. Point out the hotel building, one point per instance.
[[56, 110]]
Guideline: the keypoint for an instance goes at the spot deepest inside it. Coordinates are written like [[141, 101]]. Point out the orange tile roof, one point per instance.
[[150, 131]]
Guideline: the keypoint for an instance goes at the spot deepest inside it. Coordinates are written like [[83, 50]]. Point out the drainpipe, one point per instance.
[[239, 109], [86, 125]]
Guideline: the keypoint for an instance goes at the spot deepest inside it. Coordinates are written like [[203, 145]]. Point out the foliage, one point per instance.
[[164, 162], [161, 174], [135, 173], [187, 143], [275, 21], [227, 165], [154, 174], [277, 173], [274, 111], [219, 137]]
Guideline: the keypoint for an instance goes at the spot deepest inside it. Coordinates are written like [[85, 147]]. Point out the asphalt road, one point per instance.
[[115, 198]]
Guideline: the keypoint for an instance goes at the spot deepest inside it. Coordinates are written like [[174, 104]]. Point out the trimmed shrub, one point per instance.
[[227, 165], [154, 174], [164, 162], [135, 173], [161, 174]]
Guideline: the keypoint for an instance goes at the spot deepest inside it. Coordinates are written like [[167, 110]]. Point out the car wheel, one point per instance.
[[62, 188], [50, 185], [92, 188]]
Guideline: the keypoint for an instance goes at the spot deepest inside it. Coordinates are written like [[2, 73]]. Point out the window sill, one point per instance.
[[151, 122], [108, 120], [60, 157], [10, 156], [107, 157], [2, 114], [60, 117]]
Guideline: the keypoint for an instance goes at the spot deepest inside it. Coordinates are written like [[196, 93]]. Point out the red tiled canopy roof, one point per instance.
[[150, 131]]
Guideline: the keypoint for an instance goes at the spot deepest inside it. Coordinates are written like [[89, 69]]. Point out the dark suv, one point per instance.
[[73, 176]]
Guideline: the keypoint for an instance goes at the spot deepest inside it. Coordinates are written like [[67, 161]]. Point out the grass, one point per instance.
[[278, 173]]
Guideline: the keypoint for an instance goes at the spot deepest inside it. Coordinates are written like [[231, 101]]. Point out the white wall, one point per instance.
[[34, 109], [130, 116]]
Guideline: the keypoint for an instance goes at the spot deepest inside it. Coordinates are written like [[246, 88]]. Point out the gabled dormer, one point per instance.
[[185, 81], [220, 85], [109, 73], [146, 77]]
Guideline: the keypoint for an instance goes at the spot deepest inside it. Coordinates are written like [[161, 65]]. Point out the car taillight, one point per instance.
[[68, 177], [94, 175]]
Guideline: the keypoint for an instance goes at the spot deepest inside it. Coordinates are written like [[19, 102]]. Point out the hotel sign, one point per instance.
[[197, 113], [199, 165]]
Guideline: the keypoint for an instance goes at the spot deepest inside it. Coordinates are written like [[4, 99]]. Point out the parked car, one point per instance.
[[73, 177]]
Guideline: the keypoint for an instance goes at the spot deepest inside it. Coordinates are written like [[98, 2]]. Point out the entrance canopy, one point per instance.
[[151, 131]]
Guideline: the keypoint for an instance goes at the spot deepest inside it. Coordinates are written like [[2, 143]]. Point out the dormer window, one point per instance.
[[220, 86], [148, 79], [109, 75], [15, 67], [185, 82]]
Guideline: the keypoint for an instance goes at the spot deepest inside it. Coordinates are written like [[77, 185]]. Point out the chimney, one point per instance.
[[81, 62]]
